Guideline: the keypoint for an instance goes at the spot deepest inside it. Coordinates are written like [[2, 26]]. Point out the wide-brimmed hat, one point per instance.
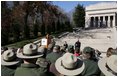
[[29, 51], [108, 65], [68, 64], [88, 49], [9, 58]]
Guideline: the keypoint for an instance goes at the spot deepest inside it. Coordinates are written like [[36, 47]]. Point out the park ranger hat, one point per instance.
[[9, 58], [88, 50], [29, 51], [108, 65], [69, 65]]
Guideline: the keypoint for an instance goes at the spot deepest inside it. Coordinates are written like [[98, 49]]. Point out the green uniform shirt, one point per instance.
[[91, 68], [30, 70], [53, 56], [6, 71]]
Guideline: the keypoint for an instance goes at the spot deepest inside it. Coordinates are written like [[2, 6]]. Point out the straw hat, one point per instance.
[[9, 58], [108, 65], [29, 51], [68, 64]]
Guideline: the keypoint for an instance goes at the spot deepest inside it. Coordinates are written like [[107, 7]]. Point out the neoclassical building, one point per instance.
[[102, 14]]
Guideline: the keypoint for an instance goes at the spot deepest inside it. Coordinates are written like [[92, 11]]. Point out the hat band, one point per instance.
[[70, 68], [8, 60], [110, 70], [30, 54]]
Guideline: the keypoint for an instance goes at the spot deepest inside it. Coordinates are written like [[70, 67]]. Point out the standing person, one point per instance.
[[91, 66], [29, 67], [48, 40], [9, 63], [77, 45]]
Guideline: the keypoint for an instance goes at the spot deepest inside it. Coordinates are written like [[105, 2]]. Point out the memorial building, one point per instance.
[[101, 15]]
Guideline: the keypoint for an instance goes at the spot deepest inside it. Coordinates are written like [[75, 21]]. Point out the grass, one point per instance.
[[21, 43], [24, 42]]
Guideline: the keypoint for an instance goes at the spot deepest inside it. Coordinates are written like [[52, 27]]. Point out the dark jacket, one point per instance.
[[53, 56], [30, 70], [7, 70], [77, 45], [91, 68], [66, 45]]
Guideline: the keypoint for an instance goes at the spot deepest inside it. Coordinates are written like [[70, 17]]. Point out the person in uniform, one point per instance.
[[53, 56], [91, 66], [67, 65], [9, 63], [29, 67], [108, 65], [77, 45]]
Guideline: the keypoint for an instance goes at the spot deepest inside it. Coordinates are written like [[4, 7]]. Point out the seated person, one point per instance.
[[108, 65], [67, 65], [29, 67], [91, 66], [9, 63]]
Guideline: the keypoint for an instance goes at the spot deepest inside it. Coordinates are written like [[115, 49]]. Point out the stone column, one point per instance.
[[113, 21], [87, 22], [98, 21], [108, 22], [93, 22], [104, 22]]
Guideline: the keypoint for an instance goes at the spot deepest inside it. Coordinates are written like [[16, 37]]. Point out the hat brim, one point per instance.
[[102, 65], [64, 71], [20, 55], [5, 63]]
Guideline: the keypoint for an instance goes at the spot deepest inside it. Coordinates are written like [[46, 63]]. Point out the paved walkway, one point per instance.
[[100, 39]]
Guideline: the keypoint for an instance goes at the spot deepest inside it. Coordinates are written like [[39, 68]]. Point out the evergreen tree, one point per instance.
[[16, 31], [5, 23], [79, 16], [36, 27]]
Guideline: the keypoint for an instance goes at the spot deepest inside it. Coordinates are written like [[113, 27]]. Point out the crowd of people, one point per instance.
[[55, 60]]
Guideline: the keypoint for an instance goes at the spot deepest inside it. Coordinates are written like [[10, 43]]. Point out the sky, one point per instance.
[[70, 5]]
